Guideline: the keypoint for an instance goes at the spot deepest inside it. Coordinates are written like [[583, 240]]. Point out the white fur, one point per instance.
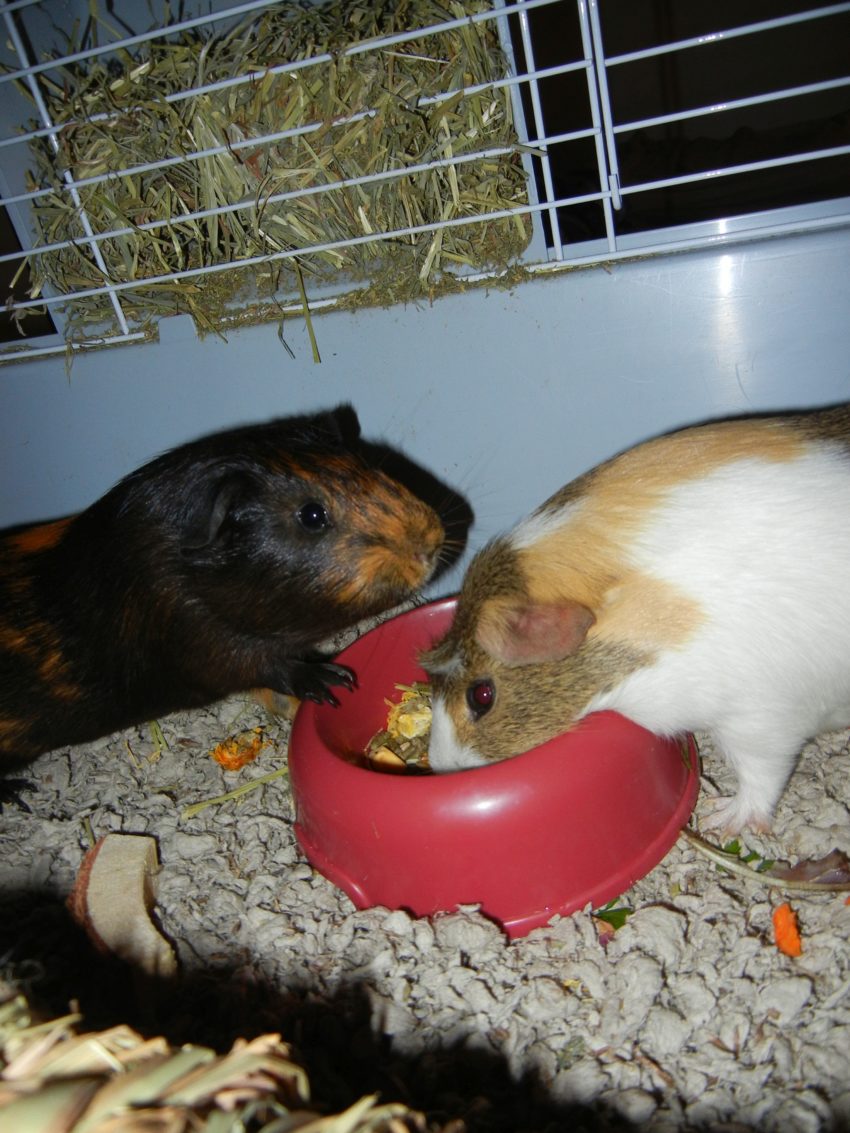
[[541, 524], [763, 549], [444, 752]]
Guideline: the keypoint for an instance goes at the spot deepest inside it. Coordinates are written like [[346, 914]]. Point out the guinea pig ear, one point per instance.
[[341, 425], [207, 522], [347, 421], [526, 633]]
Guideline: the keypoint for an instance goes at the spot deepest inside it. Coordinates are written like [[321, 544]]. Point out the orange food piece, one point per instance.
[[235, 752], [786, 932]]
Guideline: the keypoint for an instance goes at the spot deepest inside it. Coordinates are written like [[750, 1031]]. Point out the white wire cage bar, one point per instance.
[[92, 240], [616, 243], [536, 143]]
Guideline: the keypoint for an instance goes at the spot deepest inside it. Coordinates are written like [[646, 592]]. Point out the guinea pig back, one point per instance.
[[220, 566], [697, 582]]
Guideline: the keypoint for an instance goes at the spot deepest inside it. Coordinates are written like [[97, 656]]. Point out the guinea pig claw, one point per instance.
[[344, 676], [313, 681], [10, 793], [326, 697]]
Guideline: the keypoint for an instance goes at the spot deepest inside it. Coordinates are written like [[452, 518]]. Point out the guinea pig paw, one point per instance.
[[342, 675], [729, 815], [10, 793], [314, 680]]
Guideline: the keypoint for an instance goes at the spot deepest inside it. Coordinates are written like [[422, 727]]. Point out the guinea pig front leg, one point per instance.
[[312, 679], [762, 764]]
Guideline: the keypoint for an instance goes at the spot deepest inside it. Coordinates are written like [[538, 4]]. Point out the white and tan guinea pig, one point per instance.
[[697, 582]]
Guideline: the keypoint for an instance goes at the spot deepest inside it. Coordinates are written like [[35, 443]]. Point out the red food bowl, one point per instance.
[[578, 819]]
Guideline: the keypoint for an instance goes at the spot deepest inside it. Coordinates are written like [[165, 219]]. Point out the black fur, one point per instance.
[[194, 578]]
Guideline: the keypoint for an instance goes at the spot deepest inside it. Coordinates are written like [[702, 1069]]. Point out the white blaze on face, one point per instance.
[[445, 752]]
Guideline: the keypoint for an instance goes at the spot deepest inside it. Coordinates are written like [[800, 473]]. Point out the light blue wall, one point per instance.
[[505, 394]]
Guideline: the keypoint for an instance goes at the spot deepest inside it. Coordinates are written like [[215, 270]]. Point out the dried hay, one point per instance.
[[55, 1077], [358, 115]]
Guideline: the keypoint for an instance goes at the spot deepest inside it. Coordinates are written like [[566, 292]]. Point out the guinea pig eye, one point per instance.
[[480, 697], [312, 516]]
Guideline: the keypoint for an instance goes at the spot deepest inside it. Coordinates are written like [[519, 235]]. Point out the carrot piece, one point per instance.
[[239, 750], [786, 932]]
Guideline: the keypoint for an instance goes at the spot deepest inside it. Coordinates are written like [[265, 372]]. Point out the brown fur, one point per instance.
[[575, 552], [587, 557], [197, 576], [522, 724], [41, 536]]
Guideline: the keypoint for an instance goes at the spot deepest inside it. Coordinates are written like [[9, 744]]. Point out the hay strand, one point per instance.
[[376, 113]]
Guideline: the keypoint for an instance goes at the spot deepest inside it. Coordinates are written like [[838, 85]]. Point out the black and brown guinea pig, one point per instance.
[[218, 567], [697, 582]]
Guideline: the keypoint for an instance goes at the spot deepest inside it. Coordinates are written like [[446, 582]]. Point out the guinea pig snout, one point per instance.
[[428, 557], [387, 568], [424, 547], [415, 568]]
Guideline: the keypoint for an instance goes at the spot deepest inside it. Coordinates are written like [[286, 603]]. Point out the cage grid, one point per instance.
[[550, 200]]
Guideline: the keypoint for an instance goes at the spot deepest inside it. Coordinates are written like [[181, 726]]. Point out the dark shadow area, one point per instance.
[[45, 954], [14, 285]]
